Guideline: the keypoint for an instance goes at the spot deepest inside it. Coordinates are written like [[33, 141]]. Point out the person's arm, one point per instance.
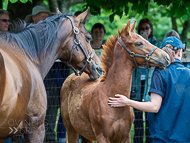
[[152, 106]]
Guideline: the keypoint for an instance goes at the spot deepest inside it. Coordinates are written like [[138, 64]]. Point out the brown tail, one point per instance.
[[2, 79]]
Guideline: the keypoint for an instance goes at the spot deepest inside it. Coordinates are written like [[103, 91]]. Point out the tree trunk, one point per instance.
[[183, 35], [53, 5], [1, 4], [185, 30], [64, 5], [174, 24]]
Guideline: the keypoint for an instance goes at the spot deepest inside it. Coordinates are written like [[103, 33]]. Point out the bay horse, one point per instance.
[[25, 59], [84, 103]]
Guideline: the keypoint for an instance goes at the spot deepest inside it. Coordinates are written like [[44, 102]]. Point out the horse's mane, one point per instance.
[[107, 54], [35, 39]]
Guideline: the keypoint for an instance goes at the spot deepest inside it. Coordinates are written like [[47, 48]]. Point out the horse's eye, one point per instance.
[[138, 44], [88, 38]]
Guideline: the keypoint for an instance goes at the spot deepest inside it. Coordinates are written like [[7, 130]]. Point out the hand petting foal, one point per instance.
[[119, 101]]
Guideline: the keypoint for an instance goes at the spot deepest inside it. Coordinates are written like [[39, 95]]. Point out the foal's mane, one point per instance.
[[107, 54], [35, 39]]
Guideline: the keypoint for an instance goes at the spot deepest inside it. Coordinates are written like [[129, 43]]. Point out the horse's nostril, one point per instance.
[[168, 60], [100, 71]]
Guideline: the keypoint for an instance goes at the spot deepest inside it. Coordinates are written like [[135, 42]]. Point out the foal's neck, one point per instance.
[[119, 78]]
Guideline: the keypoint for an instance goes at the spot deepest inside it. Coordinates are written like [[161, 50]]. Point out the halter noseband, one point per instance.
[[77, 44], [132, 54]]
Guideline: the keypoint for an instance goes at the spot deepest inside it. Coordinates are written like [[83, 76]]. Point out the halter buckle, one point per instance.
[[77, 41], [147, 57], [78, 73], [132, 54], [89, 59], [75, 30]]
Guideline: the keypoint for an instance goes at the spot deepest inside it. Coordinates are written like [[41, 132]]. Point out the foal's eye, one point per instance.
[[138, 44], [88, 38]]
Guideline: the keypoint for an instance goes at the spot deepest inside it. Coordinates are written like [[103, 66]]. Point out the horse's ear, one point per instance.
[[57, 11], [81, 17], [127, 27], [133, 27]]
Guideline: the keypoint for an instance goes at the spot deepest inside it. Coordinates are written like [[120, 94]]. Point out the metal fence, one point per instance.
[[55, 130]]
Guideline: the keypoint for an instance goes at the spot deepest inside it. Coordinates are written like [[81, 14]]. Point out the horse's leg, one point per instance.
[[128, 139], [35, 134], [84, 140], [72, 135]]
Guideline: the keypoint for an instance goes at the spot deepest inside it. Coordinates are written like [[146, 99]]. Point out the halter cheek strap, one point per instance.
[[77, 44], [133, 55]]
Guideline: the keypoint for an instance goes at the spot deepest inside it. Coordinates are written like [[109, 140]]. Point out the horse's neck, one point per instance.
[[119, 78], [45, 65], [54, 54]]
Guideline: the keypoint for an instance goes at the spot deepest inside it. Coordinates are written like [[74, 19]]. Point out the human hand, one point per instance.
[[120, 101]]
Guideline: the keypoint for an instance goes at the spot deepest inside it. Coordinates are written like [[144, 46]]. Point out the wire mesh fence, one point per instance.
[[54, 128]]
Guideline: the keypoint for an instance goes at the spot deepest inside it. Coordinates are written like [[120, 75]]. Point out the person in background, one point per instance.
[[98, 32], [141, 83], [172, 33], [4, 20], [39, 13], [169, 91]]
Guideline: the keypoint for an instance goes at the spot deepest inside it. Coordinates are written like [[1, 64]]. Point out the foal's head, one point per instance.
[[77, 48], [143, 52]]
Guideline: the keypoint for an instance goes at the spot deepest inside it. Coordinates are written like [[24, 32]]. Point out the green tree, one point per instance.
[[175, 12]]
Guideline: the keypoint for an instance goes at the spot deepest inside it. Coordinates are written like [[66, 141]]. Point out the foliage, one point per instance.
[[23, 1], [120, 11], [120, 7], [161, 24]]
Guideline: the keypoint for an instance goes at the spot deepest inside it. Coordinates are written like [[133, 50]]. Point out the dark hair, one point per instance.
[[98, 25], [142, 21], [2, 11]]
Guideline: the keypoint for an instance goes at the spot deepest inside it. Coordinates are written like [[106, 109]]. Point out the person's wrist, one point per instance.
[[128, 102]]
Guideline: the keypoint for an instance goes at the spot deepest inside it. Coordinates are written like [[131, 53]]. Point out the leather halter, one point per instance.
[[77, 44], [133, 55]]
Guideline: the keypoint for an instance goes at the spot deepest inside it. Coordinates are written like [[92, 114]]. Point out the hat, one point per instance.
[[37, 9], [174, 41]]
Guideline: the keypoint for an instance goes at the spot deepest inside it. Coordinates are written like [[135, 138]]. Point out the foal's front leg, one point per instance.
[[72, 135], [84, 140], [101, 139]]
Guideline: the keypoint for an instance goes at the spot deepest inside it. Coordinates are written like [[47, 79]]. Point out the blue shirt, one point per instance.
[[172, 122]]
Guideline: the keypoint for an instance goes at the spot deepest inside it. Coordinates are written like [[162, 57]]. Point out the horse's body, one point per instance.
[[84, 104], [25, 59]]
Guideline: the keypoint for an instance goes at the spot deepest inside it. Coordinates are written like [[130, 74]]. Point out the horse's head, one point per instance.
[[140, 50], [80, 55]]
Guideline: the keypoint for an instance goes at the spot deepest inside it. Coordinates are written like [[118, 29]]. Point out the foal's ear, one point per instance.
[[57, 11], [133, 27], [81, 17], [127, 27]]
